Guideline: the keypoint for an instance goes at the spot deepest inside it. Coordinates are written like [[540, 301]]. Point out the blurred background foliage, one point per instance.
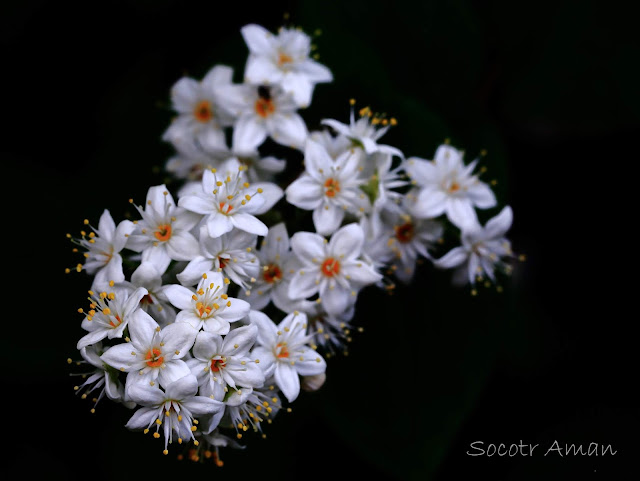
[[549, 89]]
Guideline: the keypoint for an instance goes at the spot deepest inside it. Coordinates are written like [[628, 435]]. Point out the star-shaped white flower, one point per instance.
[[103, 377], [365, 132], [277, 265], [109, 314], [264, 111], [219, 362], [163, 233], [153, 302], [200, 118], [152, 353], [209, 307], [231, 253], [284, 351], [328, 187], [483, 250], [227, 200], [172, 410], [410, 239], [335, 270], [448, 186], [283, 59], [103, 245]]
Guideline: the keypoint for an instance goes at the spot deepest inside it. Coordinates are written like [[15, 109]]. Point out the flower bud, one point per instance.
[[313, 383]]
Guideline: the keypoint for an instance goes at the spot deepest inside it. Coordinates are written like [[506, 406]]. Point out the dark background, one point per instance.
[[550, 90]]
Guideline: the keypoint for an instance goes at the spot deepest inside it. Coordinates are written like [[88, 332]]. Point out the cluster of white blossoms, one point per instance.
[[205, 316]]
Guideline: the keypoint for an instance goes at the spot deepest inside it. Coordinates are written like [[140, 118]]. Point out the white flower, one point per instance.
[[104, 244], [277, 263], [376, 249], [335, 145], [249, 407], [411, 239], [209, 307], [447, 186], [364, 132], [482, 250], [153, 302], [219, 362], [284, 351], [383, 178], [231, 254], [328, 331], [333, 269], [152, 353], [328, 188], [110, 314], [200, 118], [228, 201], [163, 233], [102, 377], [283, 59], [172, 410], [264, 111]]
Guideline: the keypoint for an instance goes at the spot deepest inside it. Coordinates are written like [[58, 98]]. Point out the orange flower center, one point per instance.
[[264, 107], [154, 357], [281, 350], [203, 112], [223, 262], [113, 324], [404, 232], [332, 186], [454, 187], [222, 207], [203, 310], [272, 273], [217, 364], [146, 299], [284, 58], [163, 233], [330, 267]]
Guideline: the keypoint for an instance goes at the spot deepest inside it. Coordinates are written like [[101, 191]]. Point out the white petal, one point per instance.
[[303, 285], [173, 371], [183, 388], [290, 130], [482, 195], [142, 418], [422, 171], [248, 133], [262, 70], [299, 86], [500, 224], [182, 246], [218, 224], [243, 337], [327, 218], [192, 273], [347, 242], [271, 193], [315, 71], [308, 246], [287, 380], [305, 192], [266, 328], [235, 311], [249, 223], [336, 301], [312, 363], [461, 212], [259, 40], [179, 296], [430, 202], [453, 258]]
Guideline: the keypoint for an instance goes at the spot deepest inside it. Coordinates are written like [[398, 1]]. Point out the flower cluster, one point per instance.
[[205, 315]]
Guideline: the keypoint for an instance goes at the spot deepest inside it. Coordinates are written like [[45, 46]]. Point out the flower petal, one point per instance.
[[287, 380]]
